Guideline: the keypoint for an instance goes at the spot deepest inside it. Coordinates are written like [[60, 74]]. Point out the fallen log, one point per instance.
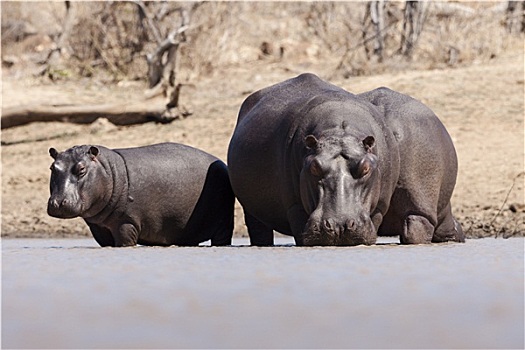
[[116, 113]]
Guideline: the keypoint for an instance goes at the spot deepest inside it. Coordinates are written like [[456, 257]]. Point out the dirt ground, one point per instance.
[[482, 107]]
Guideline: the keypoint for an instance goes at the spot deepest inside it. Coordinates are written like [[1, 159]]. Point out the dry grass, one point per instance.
[[108, 42]]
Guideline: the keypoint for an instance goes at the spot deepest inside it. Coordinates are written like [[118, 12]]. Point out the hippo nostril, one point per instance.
[[327, 224], [350, 224], [53, 203]]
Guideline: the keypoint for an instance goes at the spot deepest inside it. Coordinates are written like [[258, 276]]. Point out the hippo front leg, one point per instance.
[[260, 234], [377, 220], [127, 236], [297, 219], [417, 230], [102, 235]]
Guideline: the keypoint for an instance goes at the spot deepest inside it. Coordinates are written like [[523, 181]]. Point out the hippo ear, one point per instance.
[[311, 142], [53, 153], [369, 142], [93, 152]]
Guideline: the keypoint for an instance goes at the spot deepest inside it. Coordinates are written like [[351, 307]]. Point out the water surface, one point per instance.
[[73, 294]]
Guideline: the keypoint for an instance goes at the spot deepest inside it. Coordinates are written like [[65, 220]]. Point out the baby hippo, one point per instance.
[[164, 194]]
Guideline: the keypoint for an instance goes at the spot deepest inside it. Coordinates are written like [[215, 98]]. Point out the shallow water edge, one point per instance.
[[70, 293]]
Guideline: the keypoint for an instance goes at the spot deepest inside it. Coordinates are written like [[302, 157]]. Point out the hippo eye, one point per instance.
[[80, 170], [365, 166], [364, 169]]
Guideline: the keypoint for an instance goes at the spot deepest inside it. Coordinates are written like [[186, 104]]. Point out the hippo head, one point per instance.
[[340, 186], [79, 184]]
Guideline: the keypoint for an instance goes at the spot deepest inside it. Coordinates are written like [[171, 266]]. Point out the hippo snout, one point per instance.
[[339, 231], [332, 227], [61, 208], [359, 232]]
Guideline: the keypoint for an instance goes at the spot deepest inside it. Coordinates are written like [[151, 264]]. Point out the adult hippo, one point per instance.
[[328, 167], [163, 194]]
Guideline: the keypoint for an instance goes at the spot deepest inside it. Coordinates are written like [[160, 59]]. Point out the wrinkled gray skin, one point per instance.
[[311, 160], [165, 194]]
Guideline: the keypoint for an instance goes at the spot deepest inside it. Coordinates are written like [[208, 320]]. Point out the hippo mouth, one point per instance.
[[319, 235], [61, 210]]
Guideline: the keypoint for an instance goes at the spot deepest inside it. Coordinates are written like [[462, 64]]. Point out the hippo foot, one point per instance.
[[260, 234], [449, 232], [127, 236], [222, 238], [221, 243], [417, 230]]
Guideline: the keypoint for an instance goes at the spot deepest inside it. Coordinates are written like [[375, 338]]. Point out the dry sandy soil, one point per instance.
[[482, 107]]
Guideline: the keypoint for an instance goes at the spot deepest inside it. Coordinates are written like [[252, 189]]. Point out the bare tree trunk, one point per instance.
[[364, 31], [62, 45], [377, 15], [414, 20], [162, 66], [163, 61], [515, 17]]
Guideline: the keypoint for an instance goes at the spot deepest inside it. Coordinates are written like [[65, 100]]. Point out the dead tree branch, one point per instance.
[[505, 200], [164, 59], [158, 69], [365, 41], [144, 16]]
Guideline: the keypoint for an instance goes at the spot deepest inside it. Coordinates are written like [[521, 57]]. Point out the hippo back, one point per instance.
[[167, 184], [428, 157]]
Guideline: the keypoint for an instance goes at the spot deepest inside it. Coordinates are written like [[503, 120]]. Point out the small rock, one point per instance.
[[517, 207]]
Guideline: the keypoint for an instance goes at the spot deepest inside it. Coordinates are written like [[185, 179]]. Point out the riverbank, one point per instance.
[[481, 106]]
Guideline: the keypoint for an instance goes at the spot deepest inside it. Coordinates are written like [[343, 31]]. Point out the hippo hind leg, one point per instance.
[[260, 234], [448, 230], [225, 216], [417, 230], [217, 227], [223, 236]]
